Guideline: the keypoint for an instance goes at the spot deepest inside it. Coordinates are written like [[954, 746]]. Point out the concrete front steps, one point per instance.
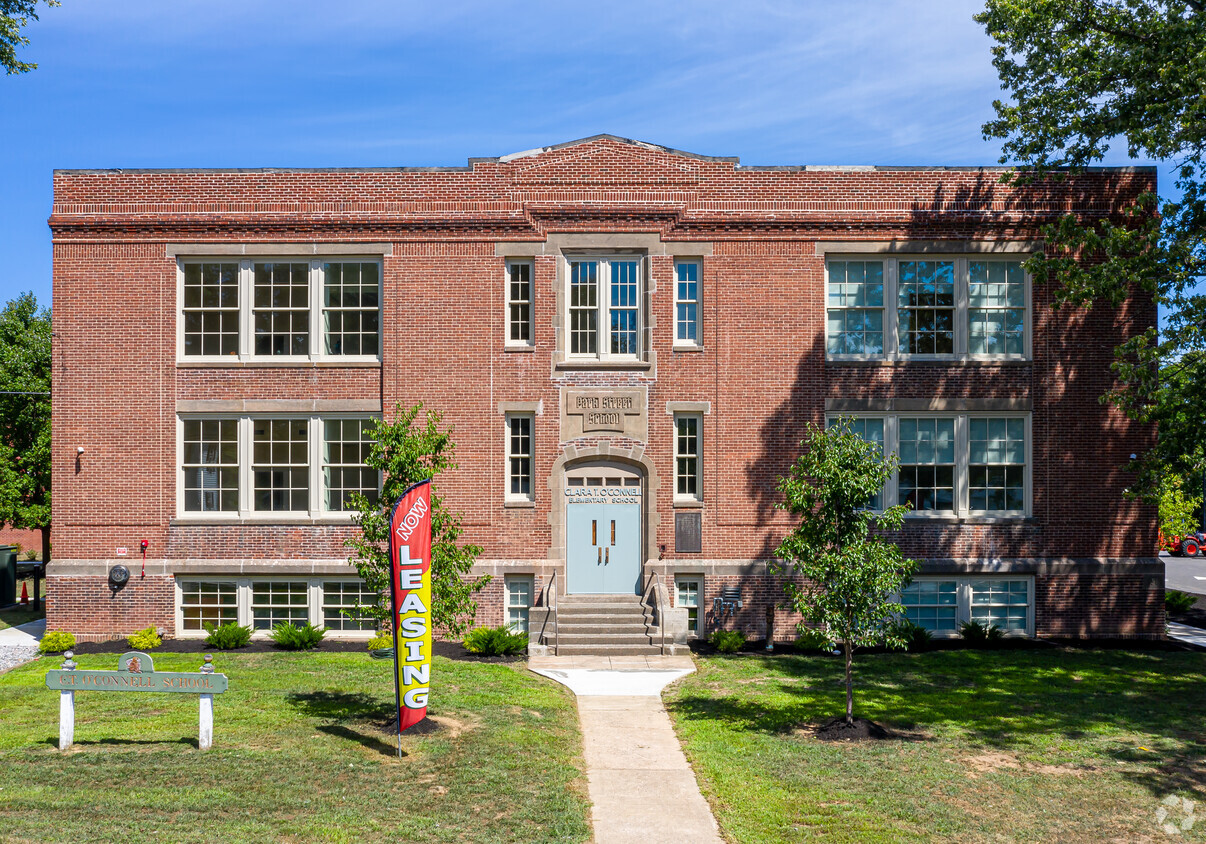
[[604, 625]]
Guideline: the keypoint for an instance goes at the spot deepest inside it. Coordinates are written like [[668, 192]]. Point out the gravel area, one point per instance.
[[12, 656]]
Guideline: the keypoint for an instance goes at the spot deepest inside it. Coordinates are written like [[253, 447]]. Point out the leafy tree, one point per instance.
[[1178, 508], [852, 574], [14, 14], [405, 453], [25, 417], [1082, 75]]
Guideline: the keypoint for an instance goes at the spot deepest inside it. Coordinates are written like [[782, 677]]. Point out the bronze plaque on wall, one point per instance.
[[687, 532]]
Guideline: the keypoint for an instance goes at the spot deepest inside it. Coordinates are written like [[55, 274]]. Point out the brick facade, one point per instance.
[[443, 237]]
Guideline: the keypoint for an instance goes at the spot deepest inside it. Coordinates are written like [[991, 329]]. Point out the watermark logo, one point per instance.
[[1175, 815]]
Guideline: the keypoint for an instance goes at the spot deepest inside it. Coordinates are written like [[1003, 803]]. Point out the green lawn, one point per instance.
[[298, 756], [1011, 745]]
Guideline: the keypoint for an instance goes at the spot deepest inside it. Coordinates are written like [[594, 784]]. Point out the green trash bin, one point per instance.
[[8, 575]]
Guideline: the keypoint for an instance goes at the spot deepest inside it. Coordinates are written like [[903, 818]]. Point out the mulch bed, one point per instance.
[[1195, 616], [449, 650], [836, 729]]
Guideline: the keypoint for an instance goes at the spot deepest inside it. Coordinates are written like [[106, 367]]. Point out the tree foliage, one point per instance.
[[1178, 508], [15, 15], [852, 574], [1082, 75], [25, 417], [406, 451]]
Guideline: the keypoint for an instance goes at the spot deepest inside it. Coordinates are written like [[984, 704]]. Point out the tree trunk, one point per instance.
[[849, 682]]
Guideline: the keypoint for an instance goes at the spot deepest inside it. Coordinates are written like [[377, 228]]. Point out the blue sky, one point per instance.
[[254, 83]]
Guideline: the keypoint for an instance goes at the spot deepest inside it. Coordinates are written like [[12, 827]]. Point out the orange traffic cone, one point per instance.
[[24, 595]]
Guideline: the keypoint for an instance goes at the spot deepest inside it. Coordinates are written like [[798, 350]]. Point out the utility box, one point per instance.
[[8, 575]]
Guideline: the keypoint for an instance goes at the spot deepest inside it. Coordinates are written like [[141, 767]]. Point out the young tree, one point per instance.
[[1178, 508], [15, 14], [25, 417], [852, 575], [405, 453], [1083, 75]]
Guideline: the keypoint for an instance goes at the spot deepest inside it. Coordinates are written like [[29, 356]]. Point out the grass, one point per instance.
[[1026, 745], [299, 755]]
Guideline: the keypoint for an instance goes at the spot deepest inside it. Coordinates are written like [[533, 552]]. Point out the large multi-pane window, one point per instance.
[[604, 308], [208, 602], [944, 307], [856, 308], [686, 303], [291, 308], [341, 603], [519, 303], [942, 604], [351, 312], [686, 456], [252, 467], [519, 591], [957, 464], [211, 309], [211, 465], [345, 448], [261, 602], [926, 475], [519, 456]]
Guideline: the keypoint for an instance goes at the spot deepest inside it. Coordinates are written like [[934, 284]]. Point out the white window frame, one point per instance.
[[699, 615], [697, 497], [603, 307], [963, 583], [697, 341], [508, 495], [315, 511], [962, 309], [962, 461], [514, 579], [243, 596], [246, 292], [530, 303]]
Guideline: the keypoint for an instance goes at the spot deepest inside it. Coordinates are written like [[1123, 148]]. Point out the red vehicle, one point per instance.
[[1189, 545]]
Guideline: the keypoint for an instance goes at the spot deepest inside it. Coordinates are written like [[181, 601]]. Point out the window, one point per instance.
[[255, 467], [604, 308], [260, 603], [345, 448], [519, 601], [519, 303], [941, 605], [687, 595], [519, 457], [952, 464], [260, 309], [686, 303], [203, 602], [279, 602], [948, 307], [686, 456], [211, 465], [340, 598], [926, 476]]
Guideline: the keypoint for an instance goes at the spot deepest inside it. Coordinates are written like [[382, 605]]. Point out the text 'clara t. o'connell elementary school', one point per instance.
[[628, 341]]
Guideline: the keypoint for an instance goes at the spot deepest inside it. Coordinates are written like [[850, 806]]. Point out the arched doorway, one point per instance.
[[603, 504]]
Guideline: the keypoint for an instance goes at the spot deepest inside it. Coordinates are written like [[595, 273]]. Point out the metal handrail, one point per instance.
[[550, 601], [656, 589]]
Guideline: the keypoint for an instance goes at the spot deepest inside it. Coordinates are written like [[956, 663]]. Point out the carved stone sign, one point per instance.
[[619, 411]]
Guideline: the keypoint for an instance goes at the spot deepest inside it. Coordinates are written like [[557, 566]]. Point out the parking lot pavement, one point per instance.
[[1188, 574]]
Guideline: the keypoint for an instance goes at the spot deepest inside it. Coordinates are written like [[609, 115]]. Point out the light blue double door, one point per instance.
[[603, 543]]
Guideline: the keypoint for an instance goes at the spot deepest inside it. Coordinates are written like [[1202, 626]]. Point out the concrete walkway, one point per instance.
[[1185, 633], [642, 791], [28, 634]]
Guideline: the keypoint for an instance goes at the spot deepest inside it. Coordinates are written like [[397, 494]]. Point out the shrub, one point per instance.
[[291, 637], [811, 639], [228, 636], [1179, 602], [144, 640], [31, 554], [495, 641], [727, 641], [980, 633], [915, 637], [56, 642], [376, 643]]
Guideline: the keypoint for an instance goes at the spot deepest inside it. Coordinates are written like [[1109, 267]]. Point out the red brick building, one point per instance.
[[628, 341]]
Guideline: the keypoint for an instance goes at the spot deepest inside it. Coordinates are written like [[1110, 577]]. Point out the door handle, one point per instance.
[[607, 557], [600, 550], [613, 531]]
